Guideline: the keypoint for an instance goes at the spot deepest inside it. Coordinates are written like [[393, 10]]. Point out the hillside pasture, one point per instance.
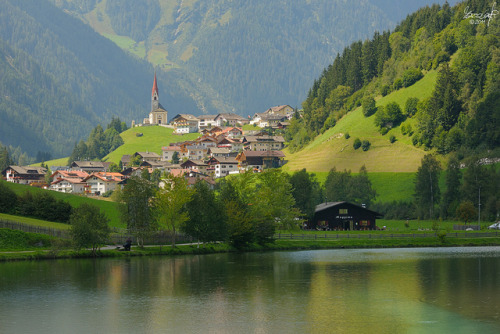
[[152, 140], [332, 149]]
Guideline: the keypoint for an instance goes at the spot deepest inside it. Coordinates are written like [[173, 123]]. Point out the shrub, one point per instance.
[[347, 136], [8, 198], [392, 138], [441, 57], [415, 139], [357, 143], [365, 145], [411, 106], [411, 76], [398, 84], [383, 131], [385, 90], [368, 106]]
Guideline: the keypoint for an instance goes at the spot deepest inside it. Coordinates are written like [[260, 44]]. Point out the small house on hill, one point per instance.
[[343, 216]]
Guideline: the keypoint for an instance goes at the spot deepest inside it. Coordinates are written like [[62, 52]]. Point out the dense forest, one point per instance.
[[463, 113]]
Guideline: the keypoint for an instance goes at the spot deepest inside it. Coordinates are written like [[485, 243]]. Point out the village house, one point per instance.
[[283, 110], [223, 166], [232, 132], [100, 182], [184, 123], [264, 143], [265, 120], [147, 156], [68, 185], [206, 141], [168, 152], [24, 174], [230, 119], [206, 121], [158, 115], [342, 216], [89, 166], [260, 160], [196, 152], [195, 165], [65, 174], [220, 152]]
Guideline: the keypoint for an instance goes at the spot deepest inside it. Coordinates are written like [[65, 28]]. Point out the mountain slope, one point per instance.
[[60, 78], [249, 55]]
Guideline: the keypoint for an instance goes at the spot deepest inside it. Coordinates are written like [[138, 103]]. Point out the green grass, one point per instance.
[[13, 240], [108, 207], [332, 149], [33, 222], [127, 43], [152, 140]]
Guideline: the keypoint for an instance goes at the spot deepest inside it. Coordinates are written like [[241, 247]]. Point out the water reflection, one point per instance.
[[341, 291]]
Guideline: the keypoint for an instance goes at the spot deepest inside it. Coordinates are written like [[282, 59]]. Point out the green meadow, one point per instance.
[[110, 208], [332, 149]]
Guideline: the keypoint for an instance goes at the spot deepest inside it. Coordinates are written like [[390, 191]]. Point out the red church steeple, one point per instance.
[[155, 88], [154, 96]]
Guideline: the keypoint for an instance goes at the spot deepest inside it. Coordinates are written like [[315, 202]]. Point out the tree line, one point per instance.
[[100, 142], [467, 191], [40, 205]]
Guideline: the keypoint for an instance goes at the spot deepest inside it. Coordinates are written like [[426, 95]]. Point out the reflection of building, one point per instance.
[[344, 216], [157, 115]]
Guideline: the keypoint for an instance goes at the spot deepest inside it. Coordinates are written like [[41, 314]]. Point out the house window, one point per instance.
[[343, 211]]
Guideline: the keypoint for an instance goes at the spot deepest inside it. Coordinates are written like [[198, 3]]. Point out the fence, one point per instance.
[[331, 236], [117, 236], [34, 229]]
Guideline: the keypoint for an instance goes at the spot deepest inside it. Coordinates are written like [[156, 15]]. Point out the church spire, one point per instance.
[[155, 88], [154, 95]]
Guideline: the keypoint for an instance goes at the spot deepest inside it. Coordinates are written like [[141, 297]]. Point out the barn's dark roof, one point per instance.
[[328, 205]]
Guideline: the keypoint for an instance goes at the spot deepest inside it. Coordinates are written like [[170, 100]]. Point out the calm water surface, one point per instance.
[[445, 290]]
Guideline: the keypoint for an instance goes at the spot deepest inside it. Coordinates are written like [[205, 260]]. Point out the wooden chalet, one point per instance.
[[259, 160], [343, 216], [24, 174]]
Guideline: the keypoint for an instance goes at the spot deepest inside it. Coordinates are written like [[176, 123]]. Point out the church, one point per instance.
[[158, 115]]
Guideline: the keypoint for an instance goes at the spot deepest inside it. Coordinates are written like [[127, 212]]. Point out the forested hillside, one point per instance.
[[248, 54], [461, 115]]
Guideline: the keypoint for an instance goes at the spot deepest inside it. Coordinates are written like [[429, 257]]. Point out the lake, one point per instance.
[[419, 290]]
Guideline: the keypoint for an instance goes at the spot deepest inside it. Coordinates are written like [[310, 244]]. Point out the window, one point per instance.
[[343, 211]]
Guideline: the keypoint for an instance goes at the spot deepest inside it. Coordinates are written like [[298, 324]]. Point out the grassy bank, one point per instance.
[[48, 248]]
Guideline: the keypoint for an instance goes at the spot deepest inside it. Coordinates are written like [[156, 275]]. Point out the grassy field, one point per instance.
[[332, 149], [152, 140], [33, 222], [109, 208]]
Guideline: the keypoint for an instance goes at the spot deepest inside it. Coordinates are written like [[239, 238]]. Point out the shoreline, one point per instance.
[[278, 245]]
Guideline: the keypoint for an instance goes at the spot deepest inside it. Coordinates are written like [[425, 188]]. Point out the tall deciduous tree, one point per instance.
[[206, 216], [136, 209], [427, 191], [170, 204], [306, 191], [89, 227]]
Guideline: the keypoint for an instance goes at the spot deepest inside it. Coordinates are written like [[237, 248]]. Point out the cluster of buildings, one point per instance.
[[222, 149]]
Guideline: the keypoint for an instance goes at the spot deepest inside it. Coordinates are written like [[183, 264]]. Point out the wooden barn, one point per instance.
[[343, 216]]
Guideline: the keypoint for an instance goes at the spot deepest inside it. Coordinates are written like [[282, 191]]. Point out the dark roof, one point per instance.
[[264, 154], [328, 205]]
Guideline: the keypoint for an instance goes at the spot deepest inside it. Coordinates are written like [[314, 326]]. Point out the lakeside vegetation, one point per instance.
[[30, 246]]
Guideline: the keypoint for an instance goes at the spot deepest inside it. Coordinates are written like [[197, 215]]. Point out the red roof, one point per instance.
[[155, 87]]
